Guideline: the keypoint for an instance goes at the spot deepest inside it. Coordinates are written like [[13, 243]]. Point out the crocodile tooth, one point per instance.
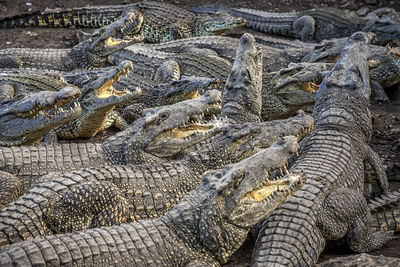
[[285, 169], [41, 113]]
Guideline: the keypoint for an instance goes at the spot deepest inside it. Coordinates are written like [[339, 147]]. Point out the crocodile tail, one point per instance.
[[385, 211], [81, 17]]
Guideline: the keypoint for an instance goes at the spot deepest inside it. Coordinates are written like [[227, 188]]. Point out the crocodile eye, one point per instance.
[[164, 115]]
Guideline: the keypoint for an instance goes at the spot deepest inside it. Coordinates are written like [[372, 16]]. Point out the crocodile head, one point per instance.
[[291, 88], [25, 119], [189, 87], [211, 24], [93, 51], [326, 51], [240, 195], [98, 98], [164, 131], [242, 92]]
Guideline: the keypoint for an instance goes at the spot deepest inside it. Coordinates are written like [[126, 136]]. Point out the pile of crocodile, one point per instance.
[[210, 142]]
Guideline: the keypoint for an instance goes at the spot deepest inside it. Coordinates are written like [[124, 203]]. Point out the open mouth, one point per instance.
[[309, 87], [271, 188], [191, 130], [107, 90], [51, 112]]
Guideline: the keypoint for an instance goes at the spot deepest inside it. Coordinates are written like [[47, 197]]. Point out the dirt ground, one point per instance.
[[386, 117]]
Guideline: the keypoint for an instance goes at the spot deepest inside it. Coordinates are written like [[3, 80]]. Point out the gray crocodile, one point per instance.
[[205, 228], [25, 119], [98, 99], [140, 183], [160, 22], [313, 24], [331, 205], [87, 54], [161, 132]]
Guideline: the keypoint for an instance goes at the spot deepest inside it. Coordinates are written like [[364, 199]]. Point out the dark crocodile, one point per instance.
[[161, 22], [26, 118], [333, 157], [205, 228], [313, 24], [87, 54], [161, 132]]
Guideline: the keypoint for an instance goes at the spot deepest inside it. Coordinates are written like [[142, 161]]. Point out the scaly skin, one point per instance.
[[24, 119], [206, 227], [331, 204], [86, 54], [10, 188], [313, 24], [161, 22], [160, 132]]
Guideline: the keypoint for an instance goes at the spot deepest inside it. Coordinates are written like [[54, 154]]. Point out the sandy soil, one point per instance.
[[386, 117]]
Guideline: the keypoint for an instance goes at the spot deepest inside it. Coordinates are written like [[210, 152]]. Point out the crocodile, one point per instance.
[[160, 22], [205, 228], [331, 204], [161, 132], [314, 24], [87, 54], [140, 183], [97, 100], [24, 119]]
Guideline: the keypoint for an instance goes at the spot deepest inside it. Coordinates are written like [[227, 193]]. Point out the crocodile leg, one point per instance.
[[304, 28], [87, 205], [354, 222], [374, 172]]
